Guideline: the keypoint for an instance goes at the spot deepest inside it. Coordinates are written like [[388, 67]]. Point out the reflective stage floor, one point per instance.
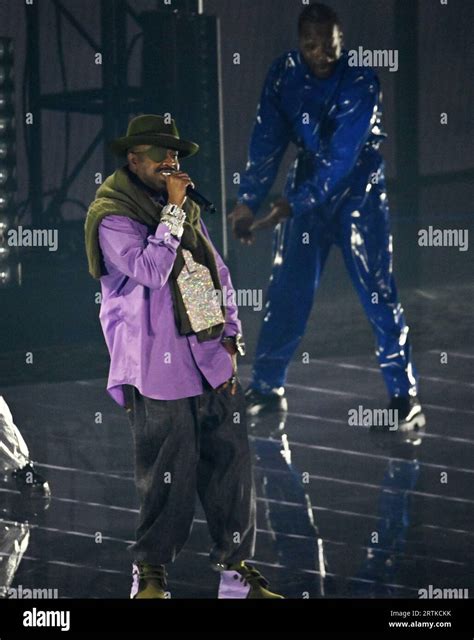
[[341, 512]]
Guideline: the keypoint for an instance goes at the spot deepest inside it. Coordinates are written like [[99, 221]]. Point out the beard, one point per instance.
[[155, 182]]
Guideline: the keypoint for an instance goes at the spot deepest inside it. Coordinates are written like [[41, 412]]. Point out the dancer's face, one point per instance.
[[321, 47], [149, 170]]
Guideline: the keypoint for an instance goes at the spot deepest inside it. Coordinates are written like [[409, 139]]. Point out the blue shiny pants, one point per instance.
[[360, 227]]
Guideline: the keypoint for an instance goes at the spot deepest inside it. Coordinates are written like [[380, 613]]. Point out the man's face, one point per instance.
[[150, 171], [321, 47]]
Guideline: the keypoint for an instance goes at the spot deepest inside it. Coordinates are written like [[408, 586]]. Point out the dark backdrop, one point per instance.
[[56, 308]]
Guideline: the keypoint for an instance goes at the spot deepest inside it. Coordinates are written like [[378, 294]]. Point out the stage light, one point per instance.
[[4, 151], [6, 76], [6, 49], [10, 267], [6, 201], [7, 176], [7, 126], [6, 101], [4, 226], [10, 275]]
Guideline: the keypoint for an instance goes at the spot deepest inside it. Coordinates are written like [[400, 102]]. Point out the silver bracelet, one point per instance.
[[173, 217]]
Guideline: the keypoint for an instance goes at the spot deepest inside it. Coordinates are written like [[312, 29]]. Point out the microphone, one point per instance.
[[200, 200], [194, 195]]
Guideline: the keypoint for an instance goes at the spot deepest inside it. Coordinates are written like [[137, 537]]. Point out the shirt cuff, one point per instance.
[[164, 236], [251, 201], [231, 330]]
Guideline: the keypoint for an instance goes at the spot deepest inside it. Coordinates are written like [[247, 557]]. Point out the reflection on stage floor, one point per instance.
[[341, 512]]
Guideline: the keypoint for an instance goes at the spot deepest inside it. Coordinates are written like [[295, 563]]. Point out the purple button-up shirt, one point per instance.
[[137, 316]]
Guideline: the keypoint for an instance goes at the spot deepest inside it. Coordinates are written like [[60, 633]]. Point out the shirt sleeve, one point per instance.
[[269, 140], [232, 324], [352, 119], [146, 260]]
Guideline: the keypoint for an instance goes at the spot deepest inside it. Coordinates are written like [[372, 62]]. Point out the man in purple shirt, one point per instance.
[[173, 346]]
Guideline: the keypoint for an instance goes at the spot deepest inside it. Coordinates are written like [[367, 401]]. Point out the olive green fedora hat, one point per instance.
[[154, 130]]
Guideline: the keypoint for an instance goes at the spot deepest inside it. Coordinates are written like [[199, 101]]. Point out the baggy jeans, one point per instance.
[[190, 446]]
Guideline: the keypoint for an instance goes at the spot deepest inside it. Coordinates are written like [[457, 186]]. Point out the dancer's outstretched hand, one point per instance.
[[280, 210], [242, 219]]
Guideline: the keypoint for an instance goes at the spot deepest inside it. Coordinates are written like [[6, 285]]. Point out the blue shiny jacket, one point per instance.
[[335, 124]]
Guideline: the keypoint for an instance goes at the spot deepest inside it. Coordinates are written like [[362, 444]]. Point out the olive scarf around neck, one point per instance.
[[124, 194]]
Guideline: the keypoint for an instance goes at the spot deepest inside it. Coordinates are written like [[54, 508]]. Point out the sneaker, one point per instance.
[[149, 581], [410, 414], [30, 482], [261, 403], [244, 581]]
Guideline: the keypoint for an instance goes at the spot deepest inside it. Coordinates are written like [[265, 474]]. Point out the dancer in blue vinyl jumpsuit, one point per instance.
[[335, 194]]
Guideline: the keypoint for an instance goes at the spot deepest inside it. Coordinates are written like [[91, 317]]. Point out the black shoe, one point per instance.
[[30, 482], [410, 414], [260, 403]]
